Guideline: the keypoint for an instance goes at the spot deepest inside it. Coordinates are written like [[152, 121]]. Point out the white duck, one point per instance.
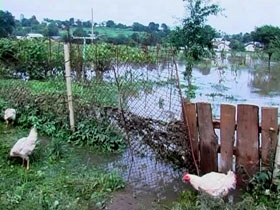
[[9, 115], [25, 146]]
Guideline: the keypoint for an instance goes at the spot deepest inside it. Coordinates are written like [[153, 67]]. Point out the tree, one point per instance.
[[237, 45], [87, 24], [122, 26], [71, 21], [138, 27], [79, 23], [165, 28], [33, 21], [7, 23], [153, 26], [110, 24], [269, 36], [247, 38], [80, 32], [52, 30], [194, 36]]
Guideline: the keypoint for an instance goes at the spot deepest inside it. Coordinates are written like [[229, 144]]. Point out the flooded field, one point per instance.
[[234, 80]]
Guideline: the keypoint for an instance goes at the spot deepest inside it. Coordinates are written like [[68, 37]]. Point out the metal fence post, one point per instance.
[[68, 84]]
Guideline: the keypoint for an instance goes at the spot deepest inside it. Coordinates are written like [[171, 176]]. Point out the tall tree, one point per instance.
[[269, 36], [80, 32], [7, 23], [52, 30], [71, 21], [110, 24], [194, 36]]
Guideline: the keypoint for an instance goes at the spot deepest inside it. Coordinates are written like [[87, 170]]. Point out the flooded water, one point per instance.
[[234, 80]]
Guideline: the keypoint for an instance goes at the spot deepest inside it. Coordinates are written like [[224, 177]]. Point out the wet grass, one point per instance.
[[190, 200], [59, 178]]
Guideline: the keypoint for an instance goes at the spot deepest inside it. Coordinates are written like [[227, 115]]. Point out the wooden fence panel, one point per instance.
[[190, 114], [269, 135], [208, 139], [247, 139], [227, 136]]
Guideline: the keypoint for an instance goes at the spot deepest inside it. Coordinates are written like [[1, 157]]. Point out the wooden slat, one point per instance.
[[190, 114], [208, 139], [217, 125], [269, 136], [247, 139], [227, 136]]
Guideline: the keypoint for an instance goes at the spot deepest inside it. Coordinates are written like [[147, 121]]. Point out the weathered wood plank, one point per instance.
[[208, 139], [227, 136], [190, 114], [269, 136], [247, 140]]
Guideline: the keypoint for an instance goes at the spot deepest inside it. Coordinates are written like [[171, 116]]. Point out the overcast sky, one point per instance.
[[241, 15]]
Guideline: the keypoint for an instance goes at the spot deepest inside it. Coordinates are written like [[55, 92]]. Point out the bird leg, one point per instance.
[[27, 159], [22, 162], [6, 122]]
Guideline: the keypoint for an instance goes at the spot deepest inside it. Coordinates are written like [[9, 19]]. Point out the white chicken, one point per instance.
[[9, 115], [215, 184], [25, 146]]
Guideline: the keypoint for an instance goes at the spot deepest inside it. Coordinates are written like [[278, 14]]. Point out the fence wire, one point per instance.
[[135, 89]]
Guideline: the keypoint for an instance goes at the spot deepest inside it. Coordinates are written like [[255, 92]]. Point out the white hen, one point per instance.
[[214, 184], [9, 115], [25, 146]]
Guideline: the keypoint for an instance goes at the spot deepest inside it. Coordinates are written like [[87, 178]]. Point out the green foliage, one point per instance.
[[31, 57], [270, 37], [80, 32], [52, 30], [7, 23], [42, 104], [237, 45], [195, 37], [66, 183], [98, 134]]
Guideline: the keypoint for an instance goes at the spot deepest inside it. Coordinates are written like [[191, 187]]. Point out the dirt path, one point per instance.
[[127, 200]]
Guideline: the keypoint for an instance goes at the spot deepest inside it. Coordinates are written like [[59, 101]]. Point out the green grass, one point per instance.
[[194, 201], [66, 182]]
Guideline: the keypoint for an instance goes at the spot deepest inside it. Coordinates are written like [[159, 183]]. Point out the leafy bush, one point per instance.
[[32, 58], [98, 134]]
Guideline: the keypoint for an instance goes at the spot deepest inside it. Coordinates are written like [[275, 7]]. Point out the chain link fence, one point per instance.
[[131, 89]]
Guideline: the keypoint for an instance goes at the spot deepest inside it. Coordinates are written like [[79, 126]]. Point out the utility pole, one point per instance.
[[91, 25]]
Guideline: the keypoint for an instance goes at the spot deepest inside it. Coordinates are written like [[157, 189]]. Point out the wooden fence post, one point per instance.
[[227, 128], [68, 84], [247, 160], [208, 139], [277, 163]]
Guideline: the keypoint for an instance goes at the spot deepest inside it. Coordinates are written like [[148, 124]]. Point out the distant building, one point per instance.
[[34, 36], [252, 46], [20, 37], [221, 45], [21, 17], [56, 38]]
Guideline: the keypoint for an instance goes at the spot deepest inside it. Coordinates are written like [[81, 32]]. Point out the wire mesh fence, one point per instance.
[[132, 89]]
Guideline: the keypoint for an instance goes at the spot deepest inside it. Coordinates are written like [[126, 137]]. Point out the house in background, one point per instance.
[[252, 46], [221, 45], [34, 36]]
